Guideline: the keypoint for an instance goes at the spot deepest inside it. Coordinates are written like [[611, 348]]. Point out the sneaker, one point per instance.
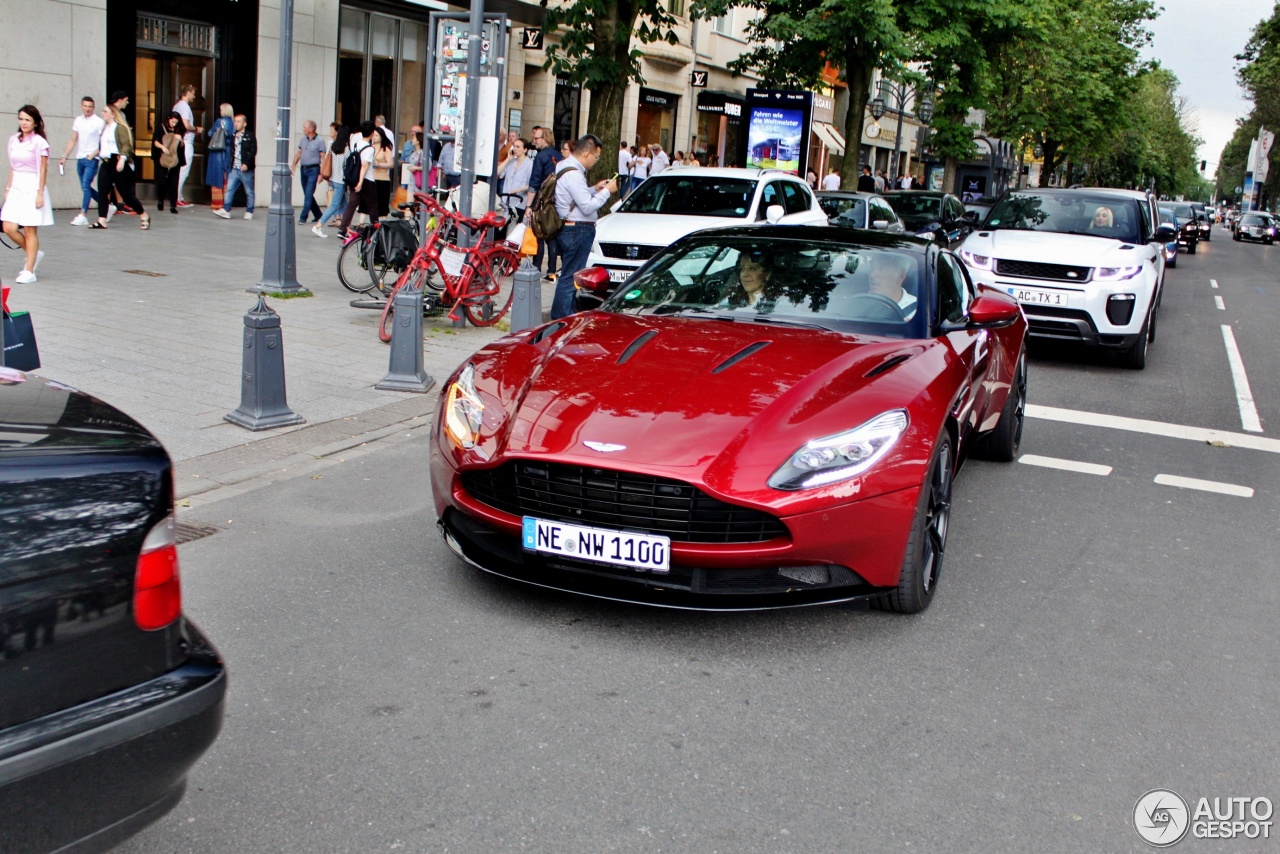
[[549, 277], [249, 215], [80, 219], [318, 231], [222, 213], [182, 203], [26, 277], [39, 258], [111, 211]]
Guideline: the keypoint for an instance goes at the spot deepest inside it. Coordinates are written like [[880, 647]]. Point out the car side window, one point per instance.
[[954, 208], [1148, 230], [791, 198], [769, 196], [881, 210], [955, 291]]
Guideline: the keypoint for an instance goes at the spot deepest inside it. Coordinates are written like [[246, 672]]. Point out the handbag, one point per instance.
[[218, 141], [326, 166], [515, 237], [169, 159], [20, 350]]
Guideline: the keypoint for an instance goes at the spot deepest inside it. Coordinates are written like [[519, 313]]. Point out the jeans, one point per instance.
[[575, 245], [310, 178], [189, 147], [337, 195], [238, 177], [86, 171]]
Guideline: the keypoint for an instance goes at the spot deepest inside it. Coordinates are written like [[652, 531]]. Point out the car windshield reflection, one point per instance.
[[841, 287], [1068, 213], [692, 196]]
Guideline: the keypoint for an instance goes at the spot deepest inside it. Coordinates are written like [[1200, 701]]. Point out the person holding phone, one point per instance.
[[578, 204]]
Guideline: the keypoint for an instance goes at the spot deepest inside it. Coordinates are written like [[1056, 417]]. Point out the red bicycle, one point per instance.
[[477, 280]]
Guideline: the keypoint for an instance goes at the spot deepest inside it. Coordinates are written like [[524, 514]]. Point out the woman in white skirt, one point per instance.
[[26, 197]]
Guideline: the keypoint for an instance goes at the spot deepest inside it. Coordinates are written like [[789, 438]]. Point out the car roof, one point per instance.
[[845, 194], [916, 193], [820, 234], [1137, 195], [723, 172]]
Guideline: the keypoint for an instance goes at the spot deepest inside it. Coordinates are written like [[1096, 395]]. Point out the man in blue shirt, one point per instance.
[[577, 204], [544, 164]]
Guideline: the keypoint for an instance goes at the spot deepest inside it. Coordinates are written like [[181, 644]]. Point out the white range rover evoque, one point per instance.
[[1087, 265]]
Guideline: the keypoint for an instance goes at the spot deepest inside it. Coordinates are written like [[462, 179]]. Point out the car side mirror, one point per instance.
[[880, 225], [773, 213], [593, 279], [991, 310], [1166, 232]]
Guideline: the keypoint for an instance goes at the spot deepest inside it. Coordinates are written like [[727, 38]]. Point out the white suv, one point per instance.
[[1087, 265], [681, 200]]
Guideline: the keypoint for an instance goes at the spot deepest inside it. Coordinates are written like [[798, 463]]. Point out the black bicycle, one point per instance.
[[374, 254]]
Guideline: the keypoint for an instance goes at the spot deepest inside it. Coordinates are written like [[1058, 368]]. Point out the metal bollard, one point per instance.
[[262, 398], [526, 302], [405, 372]]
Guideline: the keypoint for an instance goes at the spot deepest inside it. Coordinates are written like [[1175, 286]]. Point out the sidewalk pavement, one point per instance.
[[153, 322]]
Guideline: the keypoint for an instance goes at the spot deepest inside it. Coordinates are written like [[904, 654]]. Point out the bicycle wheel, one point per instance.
[[493, 286], [415, 274], [352, 269]]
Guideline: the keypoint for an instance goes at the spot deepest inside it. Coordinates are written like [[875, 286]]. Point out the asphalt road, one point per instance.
[[1095, 636]]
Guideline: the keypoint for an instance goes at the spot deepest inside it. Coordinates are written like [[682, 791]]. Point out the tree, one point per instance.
[[1233, 162], [1259, 72], [594, 50]]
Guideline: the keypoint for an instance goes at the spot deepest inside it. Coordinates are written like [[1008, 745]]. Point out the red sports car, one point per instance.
[[761, 417]]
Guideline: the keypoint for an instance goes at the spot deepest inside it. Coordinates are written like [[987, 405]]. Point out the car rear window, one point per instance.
[[692, 195]]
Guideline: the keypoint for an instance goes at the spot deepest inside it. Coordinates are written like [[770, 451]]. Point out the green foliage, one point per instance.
[[1259, 72], [1233, 162]]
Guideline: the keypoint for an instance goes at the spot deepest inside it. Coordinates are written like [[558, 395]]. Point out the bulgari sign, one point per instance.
[[824, 108]]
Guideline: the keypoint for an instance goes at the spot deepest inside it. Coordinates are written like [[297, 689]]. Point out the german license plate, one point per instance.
[[645, 552], [1035, 296], [1256, 232], [616, 275]]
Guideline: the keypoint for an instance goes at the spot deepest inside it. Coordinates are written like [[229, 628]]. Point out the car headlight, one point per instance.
[[842, 456], [979, 262], [463, 410], [1116, 274]]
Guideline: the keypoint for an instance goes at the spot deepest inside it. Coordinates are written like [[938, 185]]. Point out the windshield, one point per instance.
[[915, 207], [850, 210], [1183, 211], [1167, 215], [826, 285], [1255, 219], [1069, 213], [692, 195]]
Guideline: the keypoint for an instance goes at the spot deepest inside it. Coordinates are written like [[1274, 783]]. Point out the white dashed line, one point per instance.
[[1217, 300], [1213, 283], [1244, 397], [1065, 465], [1153, 428], [1204, 485]]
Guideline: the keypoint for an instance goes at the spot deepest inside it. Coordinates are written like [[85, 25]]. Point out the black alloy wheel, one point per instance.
[[927, 544]]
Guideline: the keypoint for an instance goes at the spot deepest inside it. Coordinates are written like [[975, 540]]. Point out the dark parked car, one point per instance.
[[848, 209], [108, 694], [939, 217], [1188, 228], [1256, 225]]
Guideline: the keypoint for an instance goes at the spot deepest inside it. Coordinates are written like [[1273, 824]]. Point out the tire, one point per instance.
[[1191, 248], [1236, 237], [1173, 263], [352, 271], [488, 310], [1002, 443], [382, 275], [927, 544], [1136, 355], [1155, 316]]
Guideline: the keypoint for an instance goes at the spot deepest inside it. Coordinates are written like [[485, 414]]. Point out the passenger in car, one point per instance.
[[1103, 217]]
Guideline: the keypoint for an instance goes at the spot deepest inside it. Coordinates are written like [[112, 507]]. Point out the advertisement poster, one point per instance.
[[774, 139], [451, 72], [973, 187]]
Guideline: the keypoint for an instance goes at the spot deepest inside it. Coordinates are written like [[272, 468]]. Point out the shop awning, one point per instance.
[[830, 137]]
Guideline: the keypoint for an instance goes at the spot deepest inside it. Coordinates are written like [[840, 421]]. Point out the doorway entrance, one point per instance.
[[158, 79]]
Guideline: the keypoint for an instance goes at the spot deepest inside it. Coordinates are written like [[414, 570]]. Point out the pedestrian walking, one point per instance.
[[811, 178], [384, 159], [307, 158], [362, 196], [660, 159], [170, 152], [866, 181], [183, 108], [577, 204], [832, 181], [516, 171], [118, 171], [640, 167], [880, 182], [339, 149], [244, 154], [86, 135], [624, 163], [27, 204], [218, 158], [544, 165], [413, 142]]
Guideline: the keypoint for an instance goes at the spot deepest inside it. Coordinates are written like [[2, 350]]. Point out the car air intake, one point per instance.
[[1039, 270], [581, 495], [1120, 308], [629, 251]]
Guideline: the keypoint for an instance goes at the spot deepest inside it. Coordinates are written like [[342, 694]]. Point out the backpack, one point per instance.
[[544, 220], [394, 243], [351, 168]]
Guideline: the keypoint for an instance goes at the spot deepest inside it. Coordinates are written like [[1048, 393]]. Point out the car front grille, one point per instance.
[[580, 495], [1039, 270], [629, 251]]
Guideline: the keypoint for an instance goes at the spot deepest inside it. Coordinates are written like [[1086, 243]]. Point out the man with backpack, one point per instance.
[[577, 205], [544, 164]]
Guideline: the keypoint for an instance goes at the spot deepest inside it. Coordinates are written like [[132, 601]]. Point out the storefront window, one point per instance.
[[352, 36], [381, 69], [413, 70], [383, 37], [656, 118]]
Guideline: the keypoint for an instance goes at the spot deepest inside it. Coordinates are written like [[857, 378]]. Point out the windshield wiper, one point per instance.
[[671, 311], [788, 321]]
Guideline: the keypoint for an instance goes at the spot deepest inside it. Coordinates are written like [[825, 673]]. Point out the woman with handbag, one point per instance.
[[171, 155], [117, 165], [339, 149], [27, 204], [219, 156]]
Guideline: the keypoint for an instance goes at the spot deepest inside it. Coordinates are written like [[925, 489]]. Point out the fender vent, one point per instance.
[[886, 365], [636, 345], [740, 355], [546, 332]]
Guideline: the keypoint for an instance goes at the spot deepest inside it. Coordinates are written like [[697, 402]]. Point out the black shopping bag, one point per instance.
[[20, 342]]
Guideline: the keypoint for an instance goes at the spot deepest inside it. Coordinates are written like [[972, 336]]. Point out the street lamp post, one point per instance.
[[901, 93]]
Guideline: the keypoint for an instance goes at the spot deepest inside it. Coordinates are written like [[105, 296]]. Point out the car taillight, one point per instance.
[[157, 593]]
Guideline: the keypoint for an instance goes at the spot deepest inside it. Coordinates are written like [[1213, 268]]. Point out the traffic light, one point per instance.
[[1203, 163]]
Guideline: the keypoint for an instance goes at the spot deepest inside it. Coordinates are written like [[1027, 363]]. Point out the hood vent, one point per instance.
[[887, 364], [740, 355], [547, 331], [635, 345]]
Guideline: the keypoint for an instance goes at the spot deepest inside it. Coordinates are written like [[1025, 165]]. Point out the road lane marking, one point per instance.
[[1217, 300], [1244, 396], [1065, 465], [1213, 282], [1154, 428], [1204, 485]]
